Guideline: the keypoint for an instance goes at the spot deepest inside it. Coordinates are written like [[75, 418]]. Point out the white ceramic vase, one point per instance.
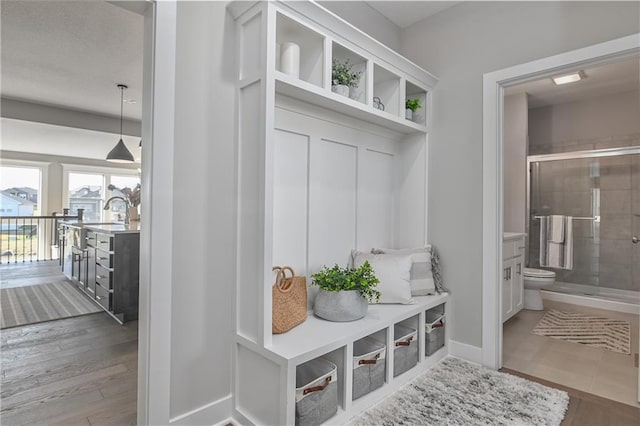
[[290, 59], [340, 89], [408, 114]]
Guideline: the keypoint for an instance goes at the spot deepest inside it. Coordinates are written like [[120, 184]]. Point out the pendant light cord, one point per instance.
[[121, 108]]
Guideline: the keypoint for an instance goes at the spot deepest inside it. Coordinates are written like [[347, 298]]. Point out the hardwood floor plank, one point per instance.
[[588, 409], [42, 411], [82, 383]]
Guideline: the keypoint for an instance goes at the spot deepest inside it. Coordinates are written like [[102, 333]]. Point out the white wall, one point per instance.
[[203, 231], [459, 45], [367, 19], [515, 162], [611, 115]]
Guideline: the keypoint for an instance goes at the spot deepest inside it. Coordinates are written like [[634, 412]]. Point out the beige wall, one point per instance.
[[515, 162], [459, 45], [603, 122]]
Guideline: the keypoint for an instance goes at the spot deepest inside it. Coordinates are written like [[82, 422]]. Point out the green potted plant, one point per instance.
[[411, 105], [342, 78], [344, 292]]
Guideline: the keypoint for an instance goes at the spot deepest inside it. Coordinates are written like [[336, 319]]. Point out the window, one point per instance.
[[20, 190], [88, 188]]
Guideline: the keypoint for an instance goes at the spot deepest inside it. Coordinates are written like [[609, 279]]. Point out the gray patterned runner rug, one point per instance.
[[611, 334], [456, 392], [44, 302]]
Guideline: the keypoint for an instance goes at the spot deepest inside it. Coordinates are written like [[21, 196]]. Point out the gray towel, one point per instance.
[[556, 242]]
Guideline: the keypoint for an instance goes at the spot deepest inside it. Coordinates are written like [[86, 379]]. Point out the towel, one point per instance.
[[556, 242]]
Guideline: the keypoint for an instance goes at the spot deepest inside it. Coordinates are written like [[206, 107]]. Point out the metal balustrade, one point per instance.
[[30, 238]]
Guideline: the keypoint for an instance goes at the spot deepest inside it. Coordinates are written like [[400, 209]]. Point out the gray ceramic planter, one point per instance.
[[341, 306]]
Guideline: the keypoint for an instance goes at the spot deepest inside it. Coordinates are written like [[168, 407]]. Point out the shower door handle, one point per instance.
[[635, 240]]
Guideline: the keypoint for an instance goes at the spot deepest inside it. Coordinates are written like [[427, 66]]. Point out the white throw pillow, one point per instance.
[[394, 273], [422, 282]]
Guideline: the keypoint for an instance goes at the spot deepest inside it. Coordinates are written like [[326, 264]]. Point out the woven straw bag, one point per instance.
[[289, 300]]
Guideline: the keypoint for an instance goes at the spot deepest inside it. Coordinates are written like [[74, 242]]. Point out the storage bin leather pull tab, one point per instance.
[[369, 361], [317, 388], [405, 343]]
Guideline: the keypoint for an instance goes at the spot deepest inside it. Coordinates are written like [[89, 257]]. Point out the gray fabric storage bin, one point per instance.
[[434, 335], [405, 353], [316, 392], [369, 366]]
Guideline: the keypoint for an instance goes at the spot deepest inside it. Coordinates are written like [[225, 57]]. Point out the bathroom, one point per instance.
[[572, 205]]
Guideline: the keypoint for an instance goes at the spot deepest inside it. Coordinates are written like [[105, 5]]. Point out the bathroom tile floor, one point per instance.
[[597, 371]]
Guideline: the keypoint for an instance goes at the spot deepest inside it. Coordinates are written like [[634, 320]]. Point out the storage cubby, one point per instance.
[[358, 65], [414, 92], [386, 91], [406, 345], [434, 329], [310, 44], [369, 364], [318, 389]]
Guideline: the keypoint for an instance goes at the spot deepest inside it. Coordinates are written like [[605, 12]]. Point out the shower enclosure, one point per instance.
[[601, 190]]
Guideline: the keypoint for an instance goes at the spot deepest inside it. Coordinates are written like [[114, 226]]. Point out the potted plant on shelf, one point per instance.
[[342, 79], [345, 292], [411, 105]]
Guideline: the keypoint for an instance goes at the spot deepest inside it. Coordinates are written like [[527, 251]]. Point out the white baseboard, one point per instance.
[[464, 351], [216, 412]]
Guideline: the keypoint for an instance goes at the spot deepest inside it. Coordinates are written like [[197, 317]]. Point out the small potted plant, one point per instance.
[[345, 292], [411, 105], [342, 78]]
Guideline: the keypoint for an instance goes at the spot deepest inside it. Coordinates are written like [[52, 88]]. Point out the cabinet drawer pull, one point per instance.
[[98, 297], [103, 242], [103, 258]]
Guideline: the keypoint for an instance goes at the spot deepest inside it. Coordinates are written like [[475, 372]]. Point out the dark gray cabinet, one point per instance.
[[105, 265], [117, 273]]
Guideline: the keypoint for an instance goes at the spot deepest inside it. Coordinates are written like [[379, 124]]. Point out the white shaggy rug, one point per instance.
[[456, 392]]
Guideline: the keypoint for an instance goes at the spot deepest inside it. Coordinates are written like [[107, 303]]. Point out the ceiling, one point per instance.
[[609, 79], [406, 13], [72, 54]]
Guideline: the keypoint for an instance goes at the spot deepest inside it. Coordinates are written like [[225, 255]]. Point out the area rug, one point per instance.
[[611, 334], [456, 392], [44, 302]]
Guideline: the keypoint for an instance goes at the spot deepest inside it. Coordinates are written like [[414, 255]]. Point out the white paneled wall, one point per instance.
[[336, 188]]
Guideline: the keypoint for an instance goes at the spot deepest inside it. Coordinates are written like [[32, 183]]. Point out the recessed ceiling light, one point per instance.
[[129, 101], [568, 78]]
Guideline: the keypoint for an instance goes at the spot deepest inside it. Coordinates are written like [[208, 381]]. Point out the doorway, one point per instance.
[[493, 218]]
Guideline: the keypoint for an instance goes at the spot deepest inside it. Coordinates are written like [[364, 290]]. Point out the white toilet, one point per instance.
[[534, 280]]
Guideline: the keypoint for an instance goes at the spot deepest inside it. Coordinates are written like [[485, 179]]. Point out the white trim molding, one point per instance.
[[203, 415], [492, 184], [467, 352]]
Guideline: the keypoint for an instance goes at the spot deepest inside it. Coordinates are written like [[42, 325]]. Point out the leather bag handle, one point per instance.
[[307, 391]]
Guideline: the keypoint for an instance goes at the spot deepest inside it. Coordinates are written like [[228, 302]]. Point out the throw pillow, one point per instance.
[[393, 271], [422, 279]]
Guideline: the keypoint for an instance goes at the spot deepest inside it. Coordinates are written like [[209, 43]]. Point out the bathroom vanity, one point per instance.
[[512, 274]]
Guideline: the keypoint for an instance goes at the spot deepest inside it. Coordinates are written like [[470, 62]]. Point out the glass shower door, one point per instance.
[[602, 193]]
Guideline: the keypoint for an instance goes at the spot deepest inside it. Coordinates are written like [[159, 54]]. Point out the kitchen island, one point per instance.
[[102, 259]]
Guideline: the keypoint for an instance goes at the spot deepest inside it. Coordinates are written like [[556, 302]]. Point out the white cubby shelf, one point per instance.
[[302, 150]]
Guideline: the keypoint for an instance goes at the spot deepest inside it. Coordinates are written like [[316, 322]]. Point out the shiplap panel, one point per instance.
[[375, 191], [332, 202], [290, 200]]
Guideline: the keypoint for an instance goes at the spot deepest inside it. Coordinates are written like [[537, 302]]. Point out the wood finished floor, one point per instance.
[[586, 409], [73, 371]]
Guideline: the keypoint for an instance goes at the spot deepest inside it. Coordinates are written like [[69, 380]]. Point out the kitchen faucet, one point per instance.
[[127, 203]]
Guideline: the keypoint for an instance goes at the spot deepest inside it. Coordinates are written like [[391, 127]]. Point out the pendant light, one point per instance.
[[120, 153]]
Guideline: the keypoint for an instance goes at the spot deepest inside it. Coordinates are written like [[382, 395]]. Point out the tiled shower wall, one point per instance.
[[610, 187]]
